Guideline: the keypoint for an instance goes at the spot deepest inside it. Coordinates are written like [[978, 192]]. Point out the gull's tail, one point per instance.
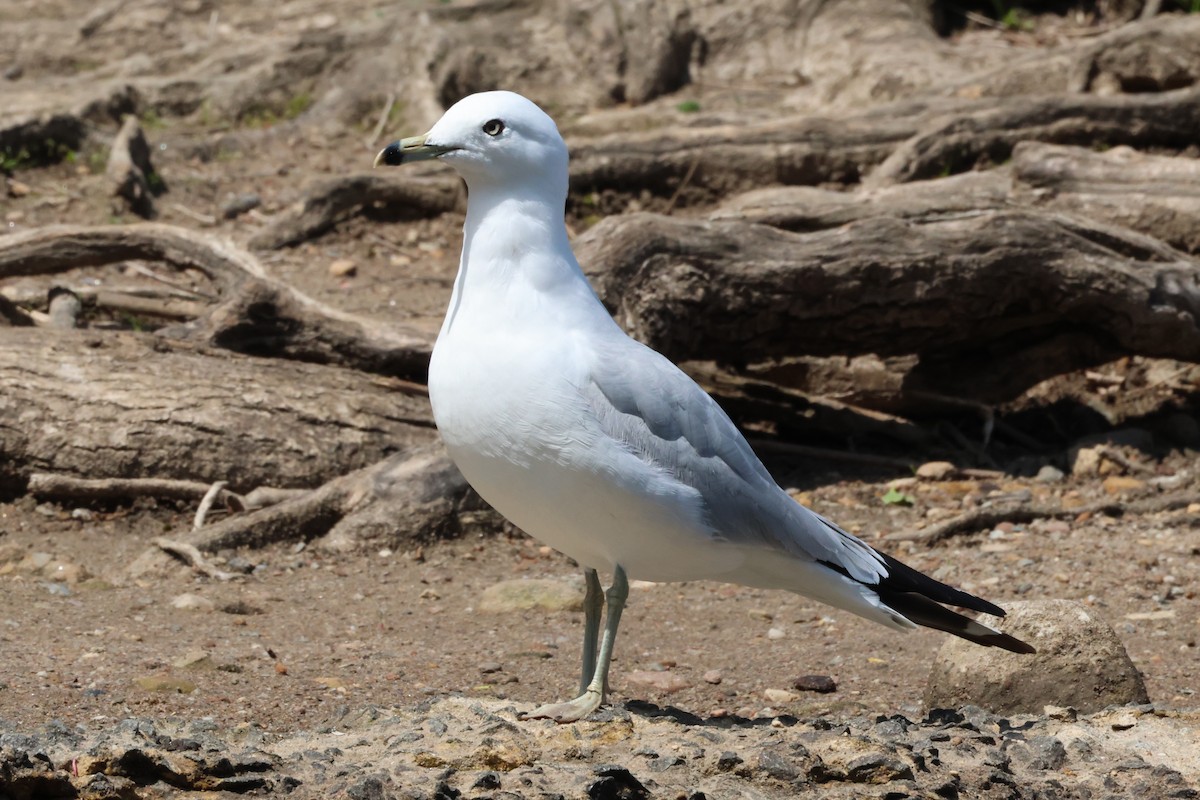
[[917, 597]]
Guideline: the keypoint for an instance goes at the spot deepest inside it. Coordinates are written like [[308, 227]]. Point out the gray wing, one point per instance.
[[645, 403]]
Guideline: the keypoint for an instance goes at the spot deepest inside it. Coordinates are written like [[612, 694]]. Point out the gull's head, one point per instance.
[[491, 138]]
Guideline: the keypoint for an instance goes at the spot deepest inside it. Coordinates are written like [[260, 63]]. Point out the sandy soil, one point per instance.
[[305, 635]]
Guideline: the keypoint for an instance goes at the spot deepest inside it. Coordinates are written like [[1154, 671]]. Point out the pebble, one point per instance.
[[815, 683], [17, 188], [1086, 461], [165, 683], [936, 471], [192, 602], [343, 268], [13, 72], [1120, 484], [661, 680], [713, 676], [523, 595], [196, 660], [239, 204], [37, 561], [1050, 474], [488, 667], [778, 696], [65, 572], [775, 633]]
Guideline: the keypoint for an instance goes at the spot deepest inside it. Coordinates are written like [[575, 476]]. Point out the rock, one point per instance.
[[343, 268], [237, 205], [36, 562], [815, 683], [1085, 456], [877, 768], [65, 572], [775, 634], [1120, 484], [936, 471], [1041, 753], [522, 595], [1080, 663], [713, 676], [192, 602], [777, 696], [1060, 713], [658, 679], [13, 72], [165, 683], [1050, 474], [1085, 462], [616, 783], [16, 188], [196, 660]]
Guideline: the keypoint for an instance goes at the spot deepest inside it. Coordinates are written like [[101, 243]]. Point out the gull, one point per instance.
[[598, 445]]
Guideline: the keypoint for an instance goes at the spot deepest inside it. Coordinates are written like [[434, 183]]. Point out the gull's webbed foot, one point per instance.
[[570, 711]]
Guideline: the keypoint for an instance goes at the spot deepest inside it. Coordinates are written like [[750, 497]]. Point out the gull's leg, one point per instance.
[[593, 695], [593, 601]]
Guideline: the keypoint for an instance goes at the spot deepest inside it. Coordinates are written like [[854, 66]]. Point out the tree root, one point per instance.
[[990, 302], [989, 517], [329, 201], [254, 313], [413, 496]]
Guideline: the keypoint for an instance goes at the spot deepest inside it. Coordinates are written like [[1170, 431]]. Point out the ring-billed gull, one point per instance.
[[596, 444]]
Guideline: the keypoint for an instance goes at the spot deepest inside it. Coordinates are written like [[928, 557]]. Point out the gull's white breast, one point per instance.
[[506, 398]]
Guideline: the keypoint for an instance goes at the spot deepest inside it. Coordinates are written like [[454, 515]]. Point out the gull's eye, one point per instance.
[[493, 127]]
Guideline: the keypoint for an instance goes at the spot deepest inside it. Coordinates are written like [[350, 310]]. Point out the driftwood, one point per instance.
[[1156, 195], [409, 498], [989, 516], [253, 312], [139, 406], [991, 302], [987, 131]]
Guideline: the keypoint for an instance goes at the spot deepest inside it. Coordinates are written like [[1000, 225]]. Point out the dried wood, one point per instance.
[[990, 302], [138, 406], [990, 516], [1156, 195], [987, 131], [255, 313], [329, 201]]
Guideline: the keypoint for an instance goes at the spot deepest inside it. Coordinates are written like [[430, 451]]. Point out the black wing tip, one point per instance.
[[1005, 642]]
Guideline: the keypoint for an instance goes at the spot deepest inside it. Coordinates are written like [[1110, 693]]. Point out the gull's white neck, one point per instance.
[[516, 260]]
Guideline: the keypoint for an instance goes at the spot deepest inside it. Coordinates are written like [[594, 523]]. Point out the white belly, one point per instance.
[[526, 441]]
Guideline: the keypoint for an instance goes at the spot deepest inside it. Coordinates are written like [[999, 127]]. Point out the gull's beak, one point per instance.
[[414, 148]]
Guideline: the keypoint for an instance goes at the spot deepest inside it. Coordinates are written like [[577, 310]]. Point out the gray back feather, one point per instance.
[[645, 403]]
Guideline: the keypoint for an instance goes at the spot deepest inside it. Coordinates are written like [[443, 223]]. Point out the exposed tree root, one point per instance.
[[989, 517], [254, 313]]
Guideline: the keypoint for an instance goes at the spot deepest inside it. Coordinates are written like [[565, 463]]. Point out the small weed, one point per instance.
[[135, 323], [13, 160], [155, 182], [688, 107], [1015, 19], [34, 154], [895, 497], [151, 120], [297, 105]]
